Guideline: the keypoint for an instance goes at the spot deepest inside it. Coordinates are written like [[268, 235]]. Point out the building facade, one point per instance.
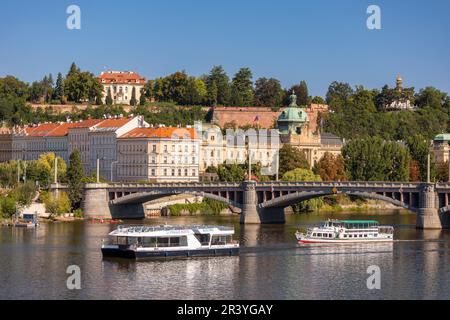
[[234, 146], [441, 147], [6, 147], [295, 129], [121, 85], [158, 155], [103, 143]]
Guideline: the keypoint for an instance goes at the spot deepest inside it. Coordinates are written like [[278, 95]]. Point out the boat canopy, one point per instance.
[[352, 224]]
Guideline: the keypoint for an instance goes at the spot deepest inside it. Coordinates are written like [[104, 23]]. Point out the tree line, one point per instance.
[[216, 88]]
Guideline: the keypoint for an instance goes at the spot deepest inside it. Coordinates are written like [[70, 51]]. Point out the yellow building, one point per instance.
[[295, 129]]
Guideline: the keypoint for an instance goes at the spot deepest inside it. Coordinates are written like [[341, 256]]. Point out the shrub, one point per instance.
[[56, 205]]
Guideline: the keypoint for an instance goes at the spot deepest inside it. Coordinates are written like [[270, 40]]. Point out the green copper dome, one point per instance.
[[292, 119]]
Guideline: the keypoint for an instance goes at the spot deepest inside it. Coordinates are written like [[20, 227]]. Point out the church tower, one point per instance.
[[399, 82]]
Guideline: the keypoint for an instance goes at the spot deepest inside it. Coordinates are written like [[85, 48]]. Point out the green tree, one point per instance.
[[8, 206], [338, 95], [318, 100], [212, 93], [307, 175], [75, 177], [242, 91], [142, 98], [58, 93], [231, 173], [268, 93], [56, 205], [73, 70], [109, 100], [196, 92], [430, 97], [374, 159], [303, 96], [292, 158], [419, 149], [83, 86], [24, 193], [133, 100], [331, 168], [301, 91], [218, 77]]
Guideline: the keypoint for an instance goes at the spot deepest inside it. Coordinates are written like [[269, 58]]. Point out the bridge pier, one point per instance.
[[249, 213], [252, 214], [428, 216], [96, 201]]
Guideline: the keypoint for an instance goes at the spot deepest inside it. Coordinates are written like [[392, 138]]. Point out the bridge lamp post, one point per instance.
[[448, 166], [98, 168], [112, 172]]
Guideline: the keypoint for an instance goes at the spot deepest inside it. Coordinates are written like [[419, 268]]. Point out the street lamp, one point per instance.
[[112, 172]]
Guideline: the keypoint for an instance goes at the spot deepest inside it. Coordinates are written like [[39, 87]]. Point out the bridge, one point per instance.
[[264, 202]]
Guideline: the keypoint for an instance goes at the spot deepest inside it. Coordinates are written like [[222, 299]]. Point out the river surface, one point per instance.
[[33, 264]]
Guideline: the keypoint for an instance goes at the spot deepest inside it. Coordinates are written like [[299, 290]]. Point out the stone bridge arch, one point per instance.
[[294, 198], [143, 197]]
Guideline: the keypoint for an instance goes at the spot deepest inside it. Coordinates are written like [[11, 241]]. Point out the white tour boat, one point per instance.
[[347, 231], [143, 242]]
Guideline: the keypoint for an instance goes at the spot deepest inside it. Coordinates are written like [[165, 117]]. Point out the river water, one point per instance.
[[271, 265]]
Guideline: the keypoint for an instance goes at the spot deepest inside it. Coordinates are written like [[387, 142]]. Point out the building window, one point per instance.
[[165, 172], [186, 172], [173, 172], [179, 172], [193, 173]]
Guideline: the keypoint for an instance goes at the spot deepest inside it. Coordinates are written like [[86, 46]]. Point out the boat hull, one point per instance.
[[317, 241], [143, 255]]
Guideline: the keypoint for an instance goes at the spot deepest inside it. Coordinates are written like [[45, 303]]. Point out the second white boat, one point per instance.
[[347, 231]]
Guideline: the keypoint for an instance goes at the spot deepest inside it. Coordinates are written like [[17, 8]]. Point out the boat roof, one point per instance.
[[355, 221], [168, 229]]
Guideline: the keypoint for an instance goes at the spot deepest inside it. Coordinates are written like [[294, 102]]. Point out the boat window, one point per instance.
[[314, 234], [220, 240], [163, 242], [319, 235], [132, 241], [203, 238], [178, 241], [122, 241], [149, 242]]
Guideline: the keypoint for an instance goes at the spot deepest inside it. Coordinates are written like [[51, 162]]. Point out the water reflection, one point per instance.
[[271, 264]]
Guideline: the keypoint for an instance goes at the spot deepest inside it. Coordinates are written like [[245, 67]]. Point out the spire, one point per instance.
[[293, 100], [399, 83]]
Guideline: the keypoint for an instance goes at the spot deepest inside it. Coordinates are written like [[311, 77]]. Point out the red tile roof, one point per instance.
[[113, 123], [43, 129], [62, 130], [87, 123], [169, 133], [111, 77]]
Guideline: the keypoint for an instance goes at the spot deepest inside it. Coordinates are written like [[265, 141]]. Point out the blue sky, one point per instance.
[[316, 40]]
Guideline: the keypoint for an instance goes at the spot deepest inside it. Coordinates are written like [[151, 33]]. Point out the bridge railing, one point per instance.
[[341, 184]]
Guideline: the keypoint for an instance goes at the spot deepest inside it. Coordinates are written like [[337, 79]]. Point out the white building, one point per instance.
[[158, 155], [234, 146], [78, 138], [103, 142], [121, 85]]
